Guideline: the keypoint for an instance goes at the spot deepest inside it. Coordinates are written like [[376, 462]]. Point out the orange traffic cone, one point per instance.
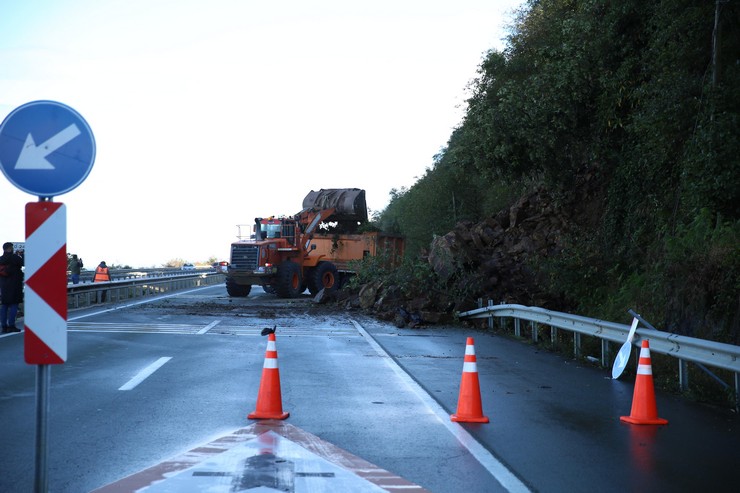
[[269, 402], [469, 408], [644, 410]]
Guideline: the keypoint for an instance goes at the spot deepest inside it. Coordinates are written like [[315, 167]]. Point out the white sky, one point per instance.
[[209, 113]]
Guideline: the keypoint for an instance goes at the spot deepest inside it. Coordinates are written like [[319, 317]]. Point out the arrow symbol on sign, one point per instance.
[[34, 157]]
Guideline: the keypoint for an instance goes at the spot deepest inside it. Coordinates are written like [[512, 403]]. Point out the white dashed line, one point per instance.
[[145, 373], [208, 327]]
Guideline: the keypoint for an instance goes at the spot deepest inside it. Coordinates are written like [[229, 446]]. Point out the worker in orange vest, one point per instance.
[[102, 275]]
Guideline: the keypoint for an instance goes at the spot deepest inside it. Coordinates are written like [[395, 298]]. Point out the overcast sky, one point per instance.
[[207, 114]]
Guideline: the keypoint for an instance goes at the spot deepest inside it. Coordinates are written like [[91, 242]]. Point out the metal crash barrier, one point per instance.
[[89, 294], [685, 349]]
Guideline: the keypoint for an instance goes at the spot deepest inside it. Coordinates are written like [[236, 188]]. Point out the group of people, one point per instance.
[[11, 283], [102, 273]]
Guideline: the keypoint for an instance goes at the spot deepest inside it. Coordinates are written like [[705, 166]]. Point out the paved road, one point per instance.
[[554, 422]]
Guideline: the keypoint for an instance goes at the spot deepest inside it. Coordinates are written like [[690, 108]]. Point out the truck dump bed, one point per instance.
[[344, 248]]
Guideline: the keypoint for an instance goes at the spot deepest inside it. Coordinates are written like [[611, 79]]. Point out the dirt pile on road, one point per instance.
[[498, 258]]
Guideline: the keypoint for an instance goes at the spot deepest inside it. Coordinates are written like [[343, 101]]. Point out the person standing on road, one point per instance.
[[11, 288], [75, 267], [102, 275]]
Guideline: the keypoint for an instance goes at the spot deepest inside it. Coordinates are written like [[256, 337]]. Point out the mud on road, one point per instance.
[[257, 309]]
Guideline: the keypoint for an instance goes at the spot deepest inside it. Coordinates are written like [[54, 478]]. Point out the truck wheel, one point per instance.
[[237, 290], [289, 282], [326, 277], [310, 280]]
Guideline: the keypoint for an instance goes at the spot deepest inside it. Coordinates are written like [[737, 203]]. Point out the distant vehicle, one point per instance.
[[188, 267], [220, 266]]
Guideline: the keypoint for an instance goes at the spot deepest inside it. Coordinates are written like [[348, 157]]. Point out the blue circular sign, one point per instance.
[[46, 148]]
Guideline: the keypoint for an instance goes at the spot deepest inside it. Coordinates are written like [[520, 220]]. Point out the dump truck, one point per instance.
[[313, 249]]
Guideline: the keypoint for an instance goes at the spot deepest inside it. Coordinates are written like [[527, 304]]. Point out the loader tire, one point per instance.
[[326, 277], [237, 290], [310, 280], [289, 283]]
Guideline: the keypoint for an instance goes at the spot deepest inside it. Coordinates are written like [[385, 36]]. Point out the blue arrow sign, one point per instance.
[[46, 148]]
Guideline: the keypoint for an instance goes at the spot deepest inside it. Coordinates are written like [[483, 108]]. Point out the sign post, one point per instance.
[[60, 161]]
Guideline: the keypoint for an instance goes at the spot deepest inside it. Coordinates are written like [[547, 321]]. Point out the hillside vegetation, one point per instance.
[[613, 128]]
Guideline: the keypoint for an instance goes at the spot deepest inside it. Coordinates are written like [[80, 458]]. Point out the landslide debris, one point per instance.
[[497, 258]]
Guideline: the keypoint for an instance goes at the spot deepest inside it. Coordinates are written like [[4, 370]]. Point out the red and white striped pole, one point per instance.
[[45, 311]]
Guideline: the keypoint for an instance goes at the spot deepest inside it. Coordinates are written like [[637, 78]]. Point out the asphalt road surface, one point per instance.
[[157, 380]]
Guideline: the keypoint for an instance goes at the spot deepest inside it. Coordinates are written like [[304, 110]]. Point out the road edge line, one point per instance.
[[498, 470]]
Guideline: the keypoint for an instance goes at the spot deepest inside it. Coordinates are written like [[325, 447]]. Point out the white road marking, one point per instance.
[[208, 327], [503, 475], [230, 469], [253, 455], [145, 373]]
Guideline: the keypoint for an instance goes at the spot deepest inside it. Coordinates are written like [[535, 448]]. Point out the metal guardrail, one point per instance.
[[88, 294], [685, 349], [86, 276]]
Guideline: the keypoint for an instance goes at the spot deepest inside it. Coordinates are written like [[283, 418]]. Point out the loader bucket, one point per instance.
[[349, 203]]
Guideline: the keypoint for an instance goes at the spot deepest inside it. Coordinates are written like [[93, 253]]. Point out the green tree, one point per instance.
[[623, 91]]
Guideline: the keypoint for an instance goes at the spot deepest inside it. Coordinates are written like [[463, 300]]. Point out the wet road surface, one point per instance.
[[376, 392]]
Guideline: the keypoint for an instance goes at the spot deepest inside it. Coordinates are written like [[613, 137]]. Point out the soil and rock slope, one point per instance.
[[494, 259]]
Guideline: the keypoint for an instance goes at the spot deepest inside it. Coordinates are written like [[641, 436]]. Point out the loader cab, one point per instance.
[[271, 228]]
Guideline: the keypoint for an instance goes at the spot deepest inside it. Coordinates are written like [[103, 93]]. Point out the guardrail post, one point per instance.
[[683, 375], [517, 327], [604, 353], [553, 335], [534, 333], [576, 344]]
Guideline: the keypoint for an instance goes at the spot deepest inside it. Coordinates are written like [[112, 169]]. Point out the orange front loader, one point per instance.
[[310, 250]]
